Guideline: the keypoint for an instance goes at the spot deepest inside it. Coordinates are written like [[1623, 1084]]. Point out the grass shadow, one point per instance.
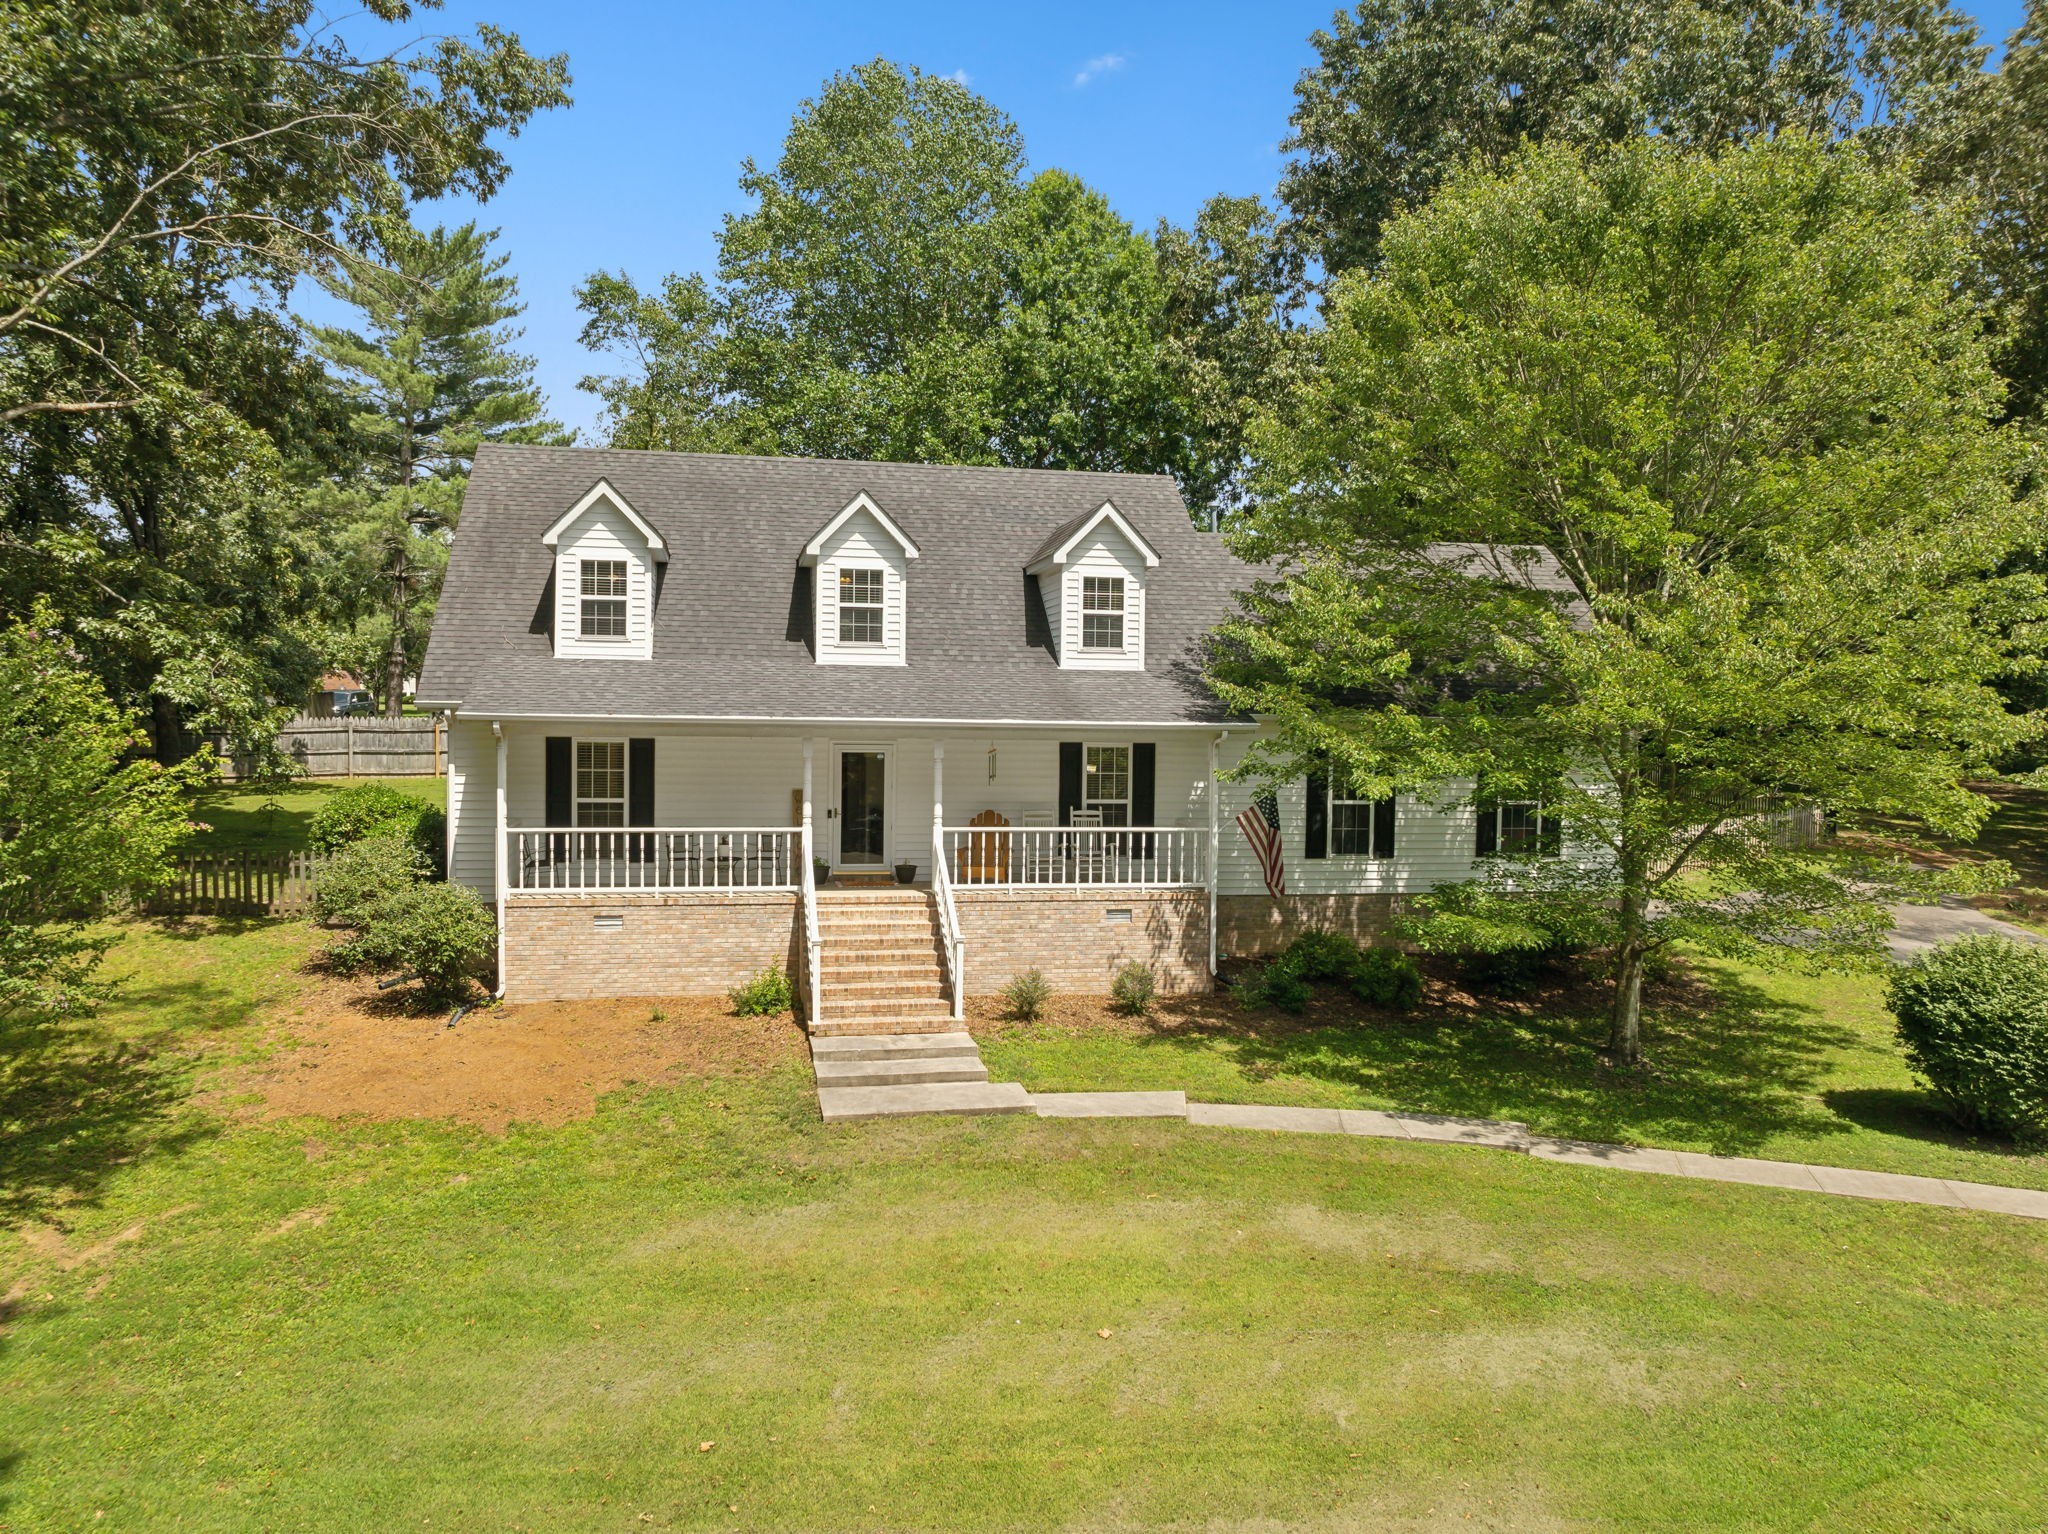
[[1733, 1066], [1912, 1114], [76, 1105]]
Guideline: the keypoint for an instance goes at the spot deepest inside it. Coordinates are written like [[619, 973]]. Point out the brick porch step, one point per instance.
[[845, 1105], [850, 988], [896, 1073]]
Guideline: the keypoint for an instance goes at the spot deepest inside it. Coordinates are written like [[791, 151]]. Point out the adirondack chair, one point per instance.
[[985, 859]]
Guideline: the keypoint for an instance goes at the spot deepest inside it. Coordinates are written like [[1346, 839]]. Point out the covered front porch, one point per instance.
[[665, 808]]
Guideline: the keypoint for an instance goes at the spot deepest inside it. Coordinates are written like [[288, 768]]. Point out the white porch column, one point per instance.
[[807, 796], [498, 860], [938, 798], [1215, 842]]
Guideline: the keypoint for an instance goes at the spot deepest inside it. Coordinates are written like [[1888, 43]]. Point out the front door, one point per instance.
[[860, 808]]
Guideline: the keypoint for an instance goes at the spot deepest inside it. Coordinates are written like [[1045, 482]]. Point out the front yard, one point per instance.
[[696, 1307]]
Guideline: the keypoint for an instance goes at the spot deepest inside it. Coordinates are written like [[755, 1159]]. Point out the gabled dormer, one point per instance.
[[860, 563], [606, 556], [1092, 574]]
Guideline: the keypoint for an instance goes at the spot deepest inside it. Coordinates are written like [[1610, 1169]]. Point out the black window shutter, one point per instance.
[[1550, 835], [640, 782], [1489, 831], [1070, 780], [1144, 770], [1383, 828], [1316, 822], [561, 803]]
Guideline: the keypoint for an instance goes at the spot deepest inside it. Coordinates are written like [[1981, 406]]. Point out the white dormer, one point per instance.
[[861, 561], [1092, 574], [605, 557]]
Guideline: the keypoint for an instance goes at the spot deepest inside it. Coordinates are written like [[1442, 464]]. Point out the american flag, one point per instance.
[[1260, 823]]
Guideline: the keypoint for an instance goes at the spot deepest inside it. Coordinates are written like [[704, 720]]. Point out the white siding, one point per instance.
[[472, 805], [1049, 598], [861, 542], [1102, 552], [604, 532]]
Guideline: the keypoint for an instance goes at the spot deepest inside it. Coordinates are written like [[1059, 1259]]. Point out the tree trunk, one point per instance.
[[394, 663], [1625, 1031]]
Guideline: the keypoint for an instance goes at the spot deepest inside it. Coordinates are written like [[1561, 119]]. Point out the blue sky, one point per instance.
[[1157, 105]]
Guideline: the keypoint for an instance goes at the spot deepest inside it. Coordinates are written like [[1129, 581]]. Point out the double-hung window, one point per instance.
[[860, 606], [1361, 828], [600, 782], [604, 598], [1102, 612], [1106, 783], [1519, 828]]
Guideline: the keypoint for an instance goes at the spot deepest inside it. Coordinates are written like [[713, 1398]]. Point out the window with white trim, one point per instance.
[[1519, 828], [860, 606], [1102, 612], [600, 782], [1106, 783], [603, 594], [1359, 827]]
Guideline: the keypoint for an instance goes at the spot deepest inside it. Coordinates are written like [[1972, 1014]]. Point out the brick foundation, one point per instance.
[[1257, 924], [1068, 936], [665, 945]]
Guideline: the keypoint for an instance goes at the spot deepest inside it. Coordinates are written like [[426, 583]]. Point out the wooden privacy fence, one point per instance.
[[411, 747], [238, 884]]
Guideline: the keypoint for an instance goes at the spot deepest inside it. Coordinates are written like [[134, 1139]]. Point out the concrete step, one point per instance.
[[896, 1073], [845, 1105], [870, 1026], [895, 1046]]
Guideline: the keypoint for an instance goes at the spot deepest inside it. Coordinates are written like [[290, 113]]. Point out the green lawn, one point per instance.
[[214, 1324], [261, 820], [1793, 1068]]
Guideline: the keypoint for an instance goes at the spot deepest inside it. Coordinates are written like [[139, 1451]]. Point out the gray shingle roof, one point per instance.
[[732, 629]]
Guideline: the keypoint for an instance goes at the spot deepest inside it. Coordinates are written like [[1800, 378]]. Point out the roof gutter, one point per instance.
[[875, 721]]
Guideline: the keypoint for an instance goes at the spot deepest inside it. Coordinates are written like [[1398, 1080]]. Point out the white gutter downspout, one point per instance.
[[1215, 841], [498, 857]]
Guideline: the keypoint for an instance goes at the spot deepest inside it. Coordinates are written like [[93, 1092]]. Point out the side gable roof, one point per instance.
[[602, 490]]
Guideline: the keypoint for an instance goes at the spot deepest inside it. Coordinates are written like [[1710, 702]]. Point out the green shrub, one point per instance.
[[763, 994], [372, 809], [1973, 1017], [1134, 989], [1026, 995], [1320, 954], [360, 875], [1389, 978], [1281, 984], [437, 933], [1510, 971]]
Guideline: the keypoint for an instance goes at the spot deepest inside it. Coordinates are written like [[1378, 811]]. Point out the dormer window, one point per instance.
[[860, 564], [860, 606], [605, 556], [1102, 613], [1092, 575], [603, 586]]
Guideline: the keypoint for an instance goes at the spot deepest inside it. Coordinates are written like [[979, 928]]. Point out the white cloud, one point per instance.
[[960, 77], [1096, 68]]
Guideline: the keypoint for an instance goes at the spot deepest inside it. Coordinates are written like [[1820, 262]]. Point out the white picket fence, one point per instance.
[[414, 746]]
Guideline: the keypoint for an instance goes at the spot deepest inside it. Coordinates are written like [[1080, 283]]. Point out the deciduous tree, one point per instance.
[[1739, 399]]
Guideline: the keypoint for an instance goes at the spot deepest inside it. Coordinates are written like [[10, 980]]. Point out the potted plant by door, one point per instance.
[[821, 871], [905, 872]]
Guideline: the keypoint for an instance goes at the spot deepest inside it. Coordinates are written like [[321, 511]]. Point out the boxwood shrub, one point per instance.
[[1973, 1017], [361, 874], [438, 933]]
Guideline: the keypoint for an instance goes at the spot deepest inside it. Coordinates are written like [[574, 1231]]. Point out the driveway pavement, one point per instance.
[[1917, 928]]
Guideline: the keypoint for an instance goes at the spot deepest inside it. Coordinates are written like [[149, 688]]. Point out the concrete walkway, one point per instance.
[[1506, 1134], [1917, 928]]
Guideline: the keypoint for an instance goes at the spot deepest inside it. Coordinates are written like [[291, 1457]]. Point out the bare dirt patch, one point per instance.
[[350, 1052]]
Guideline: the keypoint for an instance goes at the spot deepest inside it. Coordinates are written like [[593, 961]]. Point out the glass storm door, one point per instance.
[[860, 807]]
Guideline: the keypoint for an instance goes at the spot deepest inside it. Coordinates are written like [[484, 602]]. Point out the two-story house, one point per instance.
[[706, 712]]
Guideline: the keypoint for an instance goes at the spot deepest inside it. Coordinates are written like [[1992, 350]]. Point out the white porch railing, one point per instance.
[[949, 927], [978, 857], [652, 860], [813, 942]]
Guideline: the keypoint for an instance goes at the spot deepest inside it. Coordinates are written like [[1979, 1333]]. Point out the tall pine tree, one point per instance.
[[432, 374]]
